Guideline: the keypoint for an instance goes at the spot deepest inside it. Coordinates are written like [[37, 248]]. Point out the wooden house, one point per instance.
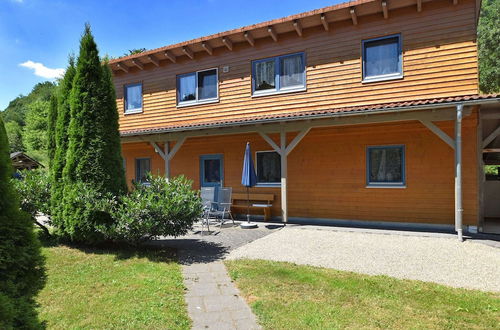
[[363, 111]]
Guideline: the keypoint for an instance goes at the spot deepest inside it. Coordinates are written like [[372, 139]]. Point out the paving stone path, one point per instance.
[[213, 300]]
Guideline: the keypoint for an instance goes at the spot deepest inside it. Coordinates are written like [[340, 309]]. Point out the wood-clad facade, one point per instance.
[[323, 149]]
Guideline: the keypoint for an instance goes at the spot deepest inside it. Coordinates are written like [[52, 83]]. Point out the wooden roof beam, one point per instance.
[[138, 64], [229, 44], [419, 5], [189, 53], [207, 47], [170, 56], [272, 33], [354, 17], [298, 27], [249, 38], [324, 22], [154, 60], [385, 10], [455, 2], [122, 67]]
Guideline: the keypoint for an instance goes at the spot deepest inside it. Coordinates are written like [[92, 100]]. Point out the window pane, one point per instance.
[[211, 170], [386, 165], [268, 167], [187, 88], [207, 84], [265, 75], [292, 71], [382, 57], [133, 95], [143, 166]]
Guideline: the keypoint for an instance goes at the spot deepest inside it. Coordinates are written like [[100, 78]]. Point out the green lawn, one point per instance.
[[112, 289], [288, 296]]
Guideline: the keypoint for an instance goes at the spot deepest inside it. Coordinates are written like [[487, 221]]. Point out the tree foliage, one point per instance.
[[21, 263], [51, 124], [35, 131], [489, 47], [15, 136]]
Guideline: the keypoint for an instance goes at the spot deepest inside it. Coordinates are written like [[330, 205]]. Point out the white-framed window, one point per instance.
[[382, 58], [268, 168], [198, 87], [279, 74], [385, 166], [142, 168], [133, 98]]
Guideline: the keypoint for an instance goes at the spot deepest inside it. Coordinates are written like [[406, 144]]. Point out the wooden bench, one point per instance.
[[259, 204]]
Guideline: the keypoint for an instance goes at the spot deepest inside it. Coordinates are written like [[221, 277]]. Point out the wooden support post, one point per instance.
[[170, 56], [272, 33], [226, 41], [168, 154], [491, 137], [189, 53], [167, 160], [249, 38], [284, 177], [326, 26], [419, 5], [353, 16], [298, 27], [207, 47], [385, 10], [458, 173], [154, 60]]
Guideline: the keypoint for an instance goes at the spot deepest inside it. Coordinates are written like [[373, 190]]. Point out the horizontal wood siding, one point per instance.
[[439, 60], [327, 171]]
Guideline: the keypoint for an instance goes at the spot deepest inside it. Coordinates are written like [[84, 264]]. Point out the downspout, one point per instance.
[[458, 172]]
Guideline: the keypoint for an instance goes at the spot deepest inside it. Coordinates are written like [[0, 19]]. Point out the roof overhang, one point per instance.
[[326, 18], [290, 121]]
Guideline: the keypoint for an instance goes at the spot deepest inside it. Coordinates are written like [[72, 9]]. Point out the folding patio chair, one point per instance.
[[223, 205], [207, 195]]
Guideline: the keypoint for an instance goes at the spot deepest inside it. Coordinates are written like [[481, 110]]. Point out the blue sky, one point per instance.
[[36, 36]]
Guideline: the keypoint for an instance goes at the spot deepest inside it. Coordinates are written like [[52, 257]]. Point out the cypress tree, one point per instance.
[[61, 143], [21, 263], [51, 124], [94, 144]]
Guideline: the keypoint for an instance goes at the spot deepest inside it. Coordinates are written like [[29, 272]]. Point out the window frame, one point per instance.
[[277, 76], [196, 101], [384, 77], [136, 168], [125, 99], [401, 184], [266, 184]]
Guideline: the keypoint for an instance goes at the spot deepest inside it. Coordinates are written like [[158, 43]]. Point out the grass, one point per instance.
[[288, 296], [112, 289]]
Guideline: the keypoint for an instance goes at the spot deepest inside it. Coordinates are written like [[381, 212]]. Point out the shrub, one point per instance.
[[160, 208], [21, 262], [87, 216], [34, 190]]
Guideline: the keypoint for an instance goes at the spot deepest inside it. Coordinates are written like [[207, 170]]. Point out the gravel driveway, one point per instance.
[[433, 259]]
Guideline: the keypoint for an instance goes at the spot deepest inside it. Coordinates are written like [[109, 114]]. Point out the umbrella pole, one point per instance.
[[248, 206]]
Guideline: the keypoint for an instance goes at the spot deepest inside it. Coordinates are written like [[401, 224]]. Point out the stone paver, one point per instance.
[[213, 300]]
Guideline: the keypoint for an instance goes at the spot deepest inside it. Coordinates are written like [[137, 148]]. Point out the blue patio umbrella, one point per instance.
[[248, 179]]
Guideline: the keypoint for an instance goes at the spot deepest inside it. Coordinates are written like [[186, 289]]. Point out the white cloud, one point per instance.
[[42, 71]]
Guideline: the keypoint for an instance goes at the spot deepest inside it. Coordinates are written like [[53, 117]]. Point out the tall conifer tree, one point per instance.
[[21, 263], [51, 125]]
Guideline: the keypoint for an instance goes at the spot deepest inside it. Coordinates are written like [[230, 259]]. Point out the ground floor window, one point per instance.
[[142, 168], [386, 165], [268, 168]]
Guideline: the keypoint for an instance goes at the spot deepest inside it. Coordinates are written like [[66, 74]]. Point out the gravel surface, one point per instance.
[[433, 259]]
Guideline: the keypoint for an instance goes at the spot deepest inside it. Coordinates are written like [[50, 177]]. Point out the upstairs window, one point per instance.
[[197, 87], [268, 168], [386, 166], [382, 58], [279, 74], [133, 98]]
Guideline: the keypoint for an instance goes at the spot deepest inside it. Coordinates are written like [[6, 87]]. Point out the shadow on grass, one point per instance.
[[185, 251]]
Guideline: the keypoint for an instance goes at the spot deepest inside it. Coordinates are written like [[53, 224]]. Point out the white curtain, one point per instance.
[[382, 58], [207, 84], [134, 97], [292, 71], [264, 75], [187, 88]]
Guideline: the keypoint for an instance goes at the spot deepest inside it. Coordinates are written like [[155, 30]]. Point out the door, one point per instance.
[[211, 170]]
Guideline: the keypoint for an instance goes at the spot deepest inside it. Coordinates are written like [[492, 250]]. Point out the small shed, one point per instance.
[[21, 161]]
